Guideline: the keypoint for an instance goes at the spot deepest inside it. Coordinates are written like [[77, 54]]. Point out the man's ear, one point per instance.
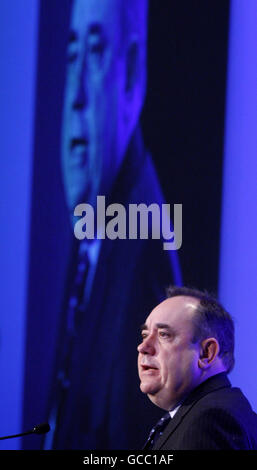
[[132, 65], [208, 352]]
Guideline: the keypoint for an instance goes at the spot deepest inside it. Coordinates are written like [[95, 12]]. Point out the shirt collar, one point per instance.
[[173, 412]]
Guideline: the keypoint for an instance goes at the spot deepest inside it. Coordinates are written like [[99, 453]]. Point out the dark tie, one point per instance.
[[77, 290], [157, 431], [74, 314]]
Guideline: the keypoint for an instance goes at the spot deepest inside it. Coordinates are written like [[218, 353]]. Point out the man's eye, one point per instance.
[[163, 334], [96, 48], [71, 58], [143, 335]]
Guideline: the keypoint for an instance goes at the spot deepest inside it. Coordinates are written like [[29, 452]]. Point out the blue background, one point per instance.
[[202, 135]]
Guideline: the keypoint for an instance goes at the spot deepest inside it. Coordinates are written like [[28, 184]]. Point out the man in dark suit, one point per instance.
[[94, 402], [186, 353]]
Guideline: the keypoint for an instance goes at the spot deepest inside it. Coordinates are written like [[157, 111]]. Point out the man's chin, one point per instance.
[[149, 389], [74, 197], [155, 395]]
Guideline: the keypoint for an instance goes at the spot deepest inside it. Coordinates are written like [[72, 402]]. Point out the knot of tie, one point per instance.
[[157, 431], [77, 288]]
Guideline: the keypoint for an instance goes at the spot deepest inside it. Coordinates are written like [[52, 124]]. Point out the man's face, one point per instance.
[[92, 140], [168, 360]]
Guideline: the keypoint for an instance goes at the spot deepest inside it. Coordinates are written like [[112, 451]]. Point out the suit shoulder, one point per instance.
[[225, 419], [230, 399], [214, 429]]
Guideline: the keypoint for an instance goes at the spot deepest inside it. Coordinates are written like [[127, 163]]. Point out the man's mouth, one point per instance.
[[78, 143], [148, 367], [79, 147]]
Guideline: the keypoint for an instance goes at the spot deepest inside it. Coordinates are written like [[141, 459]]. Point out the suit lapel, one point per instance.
[[172, 425], [210, 385]]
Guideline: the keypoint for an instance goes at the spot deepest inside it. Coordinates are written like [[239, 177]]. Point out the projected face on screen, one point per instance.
[[102, 97]]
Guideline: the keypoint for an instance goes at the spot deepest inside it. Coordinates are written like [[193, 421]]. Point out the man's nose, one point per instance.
[[147, 346], [80, 100]]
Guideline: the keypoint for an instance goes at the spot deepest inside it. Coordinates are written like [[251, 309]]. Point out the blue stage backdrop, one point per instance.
[[130, 103], [18, 44], [238, 273]]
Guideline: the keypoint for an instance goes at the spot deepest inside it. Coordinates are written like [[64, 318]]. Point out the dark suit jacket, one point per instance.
[[215, 416], [130, 280]]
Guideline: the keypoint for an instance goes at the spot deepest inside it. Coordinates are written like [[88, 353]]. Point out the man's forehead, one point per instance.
[[97, 11], [173, 311]]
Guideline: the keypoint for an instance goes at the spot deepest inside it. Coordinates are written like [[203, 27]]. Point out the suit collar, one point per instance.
[[210, 385]]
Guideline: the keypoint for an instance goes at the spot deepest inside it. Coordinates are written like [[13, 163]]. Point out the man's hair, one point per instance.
[[210, 320]]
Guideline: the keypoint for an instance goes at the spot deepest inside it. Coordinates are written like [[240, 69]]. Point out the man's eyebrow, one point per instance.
[[159, 325], [164, 326], [95, 28]]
